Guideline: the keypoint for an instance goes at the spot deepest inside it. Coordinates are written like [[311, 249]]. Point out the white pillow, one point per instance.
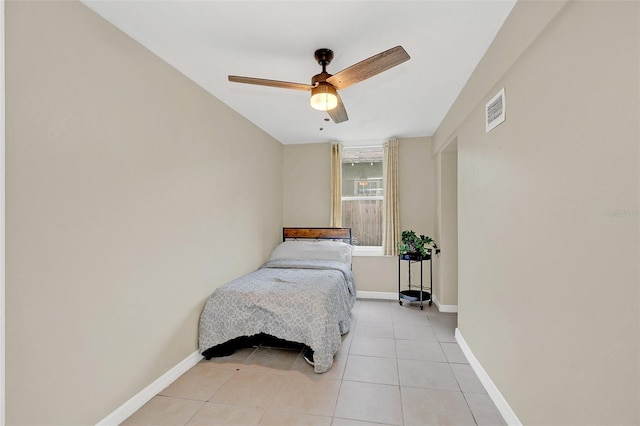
[[315, 249]]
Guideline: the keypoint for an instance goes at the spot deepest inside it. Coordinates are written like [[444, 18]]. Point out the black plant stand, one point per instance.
[[411, 295]]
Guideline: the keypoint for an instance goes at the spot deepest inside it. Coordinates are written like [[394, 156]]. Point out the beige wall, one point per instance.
[[307, 197], [548, 219], [119, 213], [376, 273], [307, 184], [417, 185]]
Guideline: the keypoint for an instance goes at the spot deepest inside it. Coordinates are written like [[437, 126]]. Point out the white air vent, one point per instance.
[[495, 110]]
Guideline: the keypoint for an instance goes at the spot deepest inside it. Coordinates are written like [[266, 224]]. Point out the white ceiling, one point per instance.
[[208, 40]]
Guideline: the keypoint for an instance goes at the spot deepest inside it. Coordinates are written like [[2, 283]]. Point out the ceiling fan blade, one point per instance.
[[338, 114], [272, 83], [369, 67]]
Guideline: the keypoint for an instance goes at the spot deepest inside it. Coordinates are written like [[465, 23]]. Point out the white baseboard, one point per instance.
[[444, 308], [134, 404], [377, 295], [386, 295], [503, 406]]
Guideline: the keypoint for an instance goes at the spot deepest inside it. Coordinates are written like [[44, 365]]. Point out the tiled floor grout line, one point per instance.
[[335, 405], [393, 322], [196, 413]]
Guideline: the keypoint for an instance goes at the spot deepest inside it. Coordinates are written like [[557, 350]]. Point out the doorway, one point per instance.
[[447, 282]]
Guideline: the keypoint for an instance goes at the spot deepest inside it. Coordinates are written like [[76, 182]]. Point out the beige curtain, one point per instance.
[[391, 225], [336, 186]]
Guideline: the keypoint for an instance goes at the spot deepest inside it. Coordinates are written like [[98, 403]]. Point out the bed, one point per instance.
[[303, 295]]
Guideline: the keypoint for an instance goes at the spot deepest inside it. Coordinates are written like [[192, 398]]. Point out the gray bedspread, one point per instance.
[[305, 301]]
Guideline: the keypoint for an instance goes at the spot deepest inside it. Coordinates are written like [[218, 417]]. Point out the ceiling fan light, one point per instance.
[[324, 97]]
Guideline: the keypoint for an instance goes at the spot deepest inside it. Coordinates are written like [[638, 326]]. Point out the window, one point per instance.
[[362, 194]]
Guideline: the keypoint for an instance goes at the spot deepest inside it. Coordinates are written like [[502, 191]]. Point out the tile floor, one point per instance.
[[398, 366]]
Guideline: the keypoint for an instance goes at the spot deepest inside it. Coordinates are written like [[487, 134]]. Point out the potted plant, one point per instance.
[[416, 247]]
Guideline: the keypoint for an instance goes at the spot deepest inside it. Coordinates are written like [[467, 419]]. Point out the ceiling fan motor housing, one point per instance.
[[320, 78]]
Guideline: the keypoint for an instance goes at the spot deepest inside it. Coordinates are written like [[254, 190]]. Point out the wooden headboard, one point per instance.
[[317, 234]]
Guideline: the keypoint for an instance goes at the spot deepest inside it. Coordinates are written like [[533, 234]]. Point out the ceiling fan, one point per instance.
[[324, 86]]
